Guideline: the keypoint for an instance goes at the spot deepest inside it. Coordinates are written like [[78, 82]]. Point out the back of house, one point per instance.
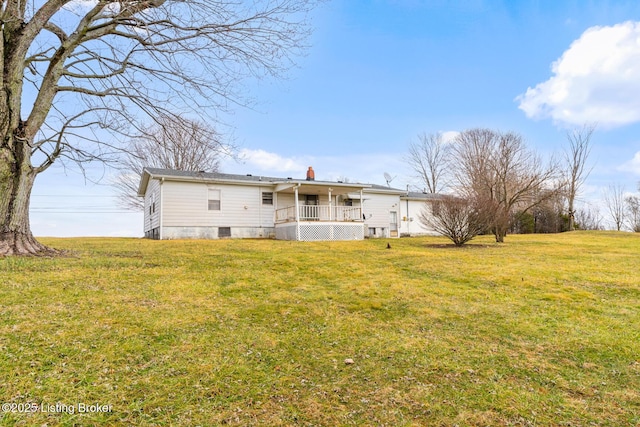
[[211, 205]]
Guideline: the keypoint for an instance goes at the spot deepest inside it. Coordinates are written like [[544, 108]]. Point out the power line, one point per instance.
[[81, 207], [69, 195], [83, 212]]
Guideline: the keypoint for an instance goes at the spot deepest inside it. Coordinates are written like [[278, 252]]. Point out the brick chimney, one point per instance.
[[311, 175]]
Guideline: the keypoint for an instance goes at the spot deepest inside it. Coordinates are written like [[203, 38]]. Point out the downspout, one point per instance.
[[364, 220], [260, 208], [161, 210]]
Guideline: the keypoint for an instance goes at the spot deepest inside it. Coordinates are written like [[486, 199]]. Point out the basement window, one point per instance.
[[224, 232]]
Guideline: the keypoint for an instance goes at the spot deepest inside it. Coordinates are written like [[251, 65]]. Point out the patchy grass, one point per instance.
[[542, 330]]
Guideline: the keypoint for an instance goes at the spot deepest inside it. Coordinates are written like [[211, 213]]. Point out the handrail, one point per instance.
[[319, 213]]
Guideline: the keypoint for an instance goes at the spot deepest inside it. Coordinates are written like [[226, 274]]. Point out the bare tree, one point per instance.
[[588, 219], [72, 70], [171, 143], [632, 212], [614, 200], [576, 170], [546, 217], [428, 158], [498, 168], [457, 218]]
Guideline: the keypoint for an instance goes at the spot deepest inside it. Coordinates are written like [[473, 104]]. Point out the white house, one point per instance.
[[411, 206], [204, 205]]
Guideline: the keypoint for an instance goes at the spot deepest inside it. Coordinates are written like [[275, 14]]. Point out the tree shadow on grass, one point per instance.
[[465, 246]]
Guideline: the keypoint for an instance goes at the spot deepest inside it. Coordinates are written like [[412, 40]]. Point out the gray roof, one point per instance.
[[211, 175], [422, 196], [219, 176]]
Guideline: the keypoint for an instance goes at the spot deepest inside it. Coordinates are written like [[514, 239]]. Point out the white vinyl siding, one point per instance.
[[187, 205], [377, 208], [284, 200], [409, 215], [152, 197]]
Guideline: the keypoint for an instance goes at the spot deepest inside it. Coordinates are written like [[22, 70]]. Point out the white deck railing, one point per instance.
[[319, 213]]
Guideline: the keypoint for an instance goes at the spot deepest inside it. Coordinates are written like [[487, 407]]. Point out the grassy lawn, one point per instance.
[[543, 330]]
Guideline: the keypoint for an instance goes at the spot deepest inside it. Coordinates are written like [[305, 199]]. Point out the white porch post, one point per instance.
[[362, 205], [330, 206], [297, 205]]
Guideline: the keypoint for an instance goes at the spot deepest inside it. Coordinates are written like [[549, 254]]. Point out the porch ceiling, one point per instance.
[[319, 187]]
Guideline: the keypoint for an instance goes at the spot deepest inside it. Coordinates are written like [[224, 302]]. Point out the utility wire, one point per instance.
[[70, 195]]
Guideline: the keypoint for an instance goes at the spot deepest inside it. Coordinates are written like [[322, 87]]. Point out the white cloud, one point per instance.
[[596, 80], [361, 167], [449, 136], [632, 165], [80, 6], [272, 162]]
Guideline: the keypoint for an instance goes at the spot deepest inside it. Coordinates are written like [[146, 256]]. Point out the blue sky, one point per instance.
[[378, 73]]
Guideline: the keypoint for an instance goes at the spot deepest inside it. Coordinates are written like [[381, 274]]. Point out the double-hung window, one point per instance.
[[214, 200], [267, 198]]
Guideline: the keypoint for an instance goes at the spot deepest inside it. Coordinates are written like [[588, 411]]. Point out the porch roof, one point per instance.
[[318, 187]]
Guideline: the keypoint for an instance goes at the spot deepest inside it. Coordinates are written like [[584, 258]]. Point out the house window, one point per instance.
[[224, 231], [214, 200], [267, 198], [348, 202]]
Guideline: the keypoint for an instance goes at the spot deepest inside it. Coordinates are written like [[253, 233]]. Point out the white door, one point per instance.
[[393, 223]]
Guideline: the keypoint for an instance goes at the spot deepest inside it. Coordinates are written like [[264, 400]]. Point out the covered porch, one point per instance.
[[312, 210], [319, 213]]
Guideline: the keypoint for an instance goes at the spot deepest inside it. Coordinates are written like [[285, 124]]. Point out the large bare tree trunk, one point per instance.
[[16, 181], [101, 68]]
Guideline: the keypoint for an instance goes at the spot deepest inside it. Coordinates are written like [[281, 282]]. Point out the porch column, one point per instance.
[[362, 205], [330, 206], [297, 215]]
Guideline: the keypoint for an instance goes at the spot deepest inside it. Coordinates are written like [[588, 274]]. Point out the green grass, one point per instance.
[[543, 330]]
